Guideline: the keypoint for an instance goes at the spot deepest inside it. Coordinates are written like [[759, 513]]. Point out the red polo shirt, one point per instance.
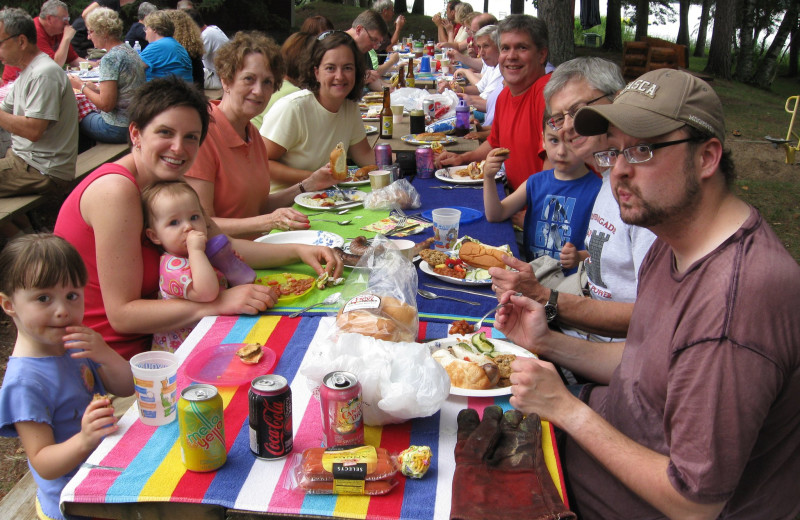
[[47, 44]]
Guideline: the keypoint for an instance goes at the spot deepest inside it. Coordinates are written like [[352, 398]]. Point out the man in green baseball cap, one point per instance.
[[696, 414]]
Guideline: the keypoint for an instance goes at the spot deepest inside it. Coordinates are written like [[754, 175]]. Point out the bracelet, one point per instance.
[[302, 188], [83, 86]]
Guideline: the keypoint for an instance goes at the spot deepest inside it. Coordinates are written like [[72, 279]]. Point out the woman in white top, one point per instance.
[[302, 129]]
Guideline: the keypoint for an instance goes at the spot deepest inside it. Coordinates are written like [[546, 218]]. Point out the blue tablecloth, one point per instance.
[[492, 233]]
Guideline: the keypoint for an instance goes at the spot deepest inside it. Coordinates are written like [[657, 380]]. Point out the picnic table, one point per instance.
[[138, 470]]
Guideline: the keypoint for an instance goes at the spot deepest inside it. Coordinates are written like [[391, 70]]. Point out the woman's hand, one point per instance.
[[320, 179], [75, 81], [245, 299], [317, 256], [286, 219]]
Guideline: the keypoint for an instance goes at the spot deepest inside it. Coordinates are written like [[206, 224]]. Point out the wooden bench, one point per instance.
[[19, 503], [87, 162], [650, 54]]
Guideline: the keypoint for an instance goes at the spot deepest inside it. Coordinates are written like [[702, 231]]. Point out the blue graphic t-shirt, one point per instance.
[[558, 212]]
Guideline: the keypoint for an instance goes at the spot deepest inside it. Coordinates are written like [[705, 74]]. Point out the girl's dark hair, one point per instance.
[[161, 94], [325, 42], [39, 261]]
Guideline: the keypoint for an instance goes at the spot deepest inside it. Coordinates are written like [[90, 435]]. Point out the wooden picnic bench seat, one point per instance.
[[86, 163], [650, 54]]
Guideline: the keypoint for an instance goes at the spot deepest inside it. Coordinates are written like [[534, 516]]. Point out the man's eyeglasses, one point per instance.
[[6, 39], [556, 122], [634, 154], [375, 40]]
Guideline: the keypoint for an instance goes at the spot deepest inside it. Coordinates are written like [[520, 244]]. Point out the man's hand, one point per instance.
[[437, 19], [522, 320], [399, 23], [522, 280], [69, 32], [449, 159]]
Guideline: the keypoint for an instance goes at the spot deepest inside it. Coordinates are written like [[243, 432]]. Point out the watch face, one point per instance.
[[550, 312]]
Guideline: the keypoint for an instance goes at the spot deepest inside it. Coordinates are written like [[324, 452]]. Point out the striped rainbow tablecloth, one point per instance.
[[143, 463]]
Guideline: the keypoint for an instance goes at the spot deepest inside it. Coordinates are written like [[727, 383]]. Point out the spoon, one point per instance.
[[330, 300], [342, 223], [433, 296], [456, 187]]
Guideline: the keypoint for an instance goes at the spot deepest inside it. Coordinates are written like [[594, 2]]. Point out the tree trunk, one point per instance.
[[719, 53], [683, 27], [642, 18], [613, 39], [417, 8], [400, 7], [700, 46], [517, 6], [560, 25], [485, 6], [765, 73], [794, 45], [744, 62]]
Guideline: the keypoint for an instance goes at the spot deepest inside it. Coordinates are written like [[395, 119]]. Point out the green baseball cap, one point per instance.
[[657, 103]]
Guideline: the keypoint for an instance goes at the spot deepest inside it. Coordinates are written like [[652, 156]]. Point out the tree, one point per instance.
[[400, 7], [719, 53], [765, 74], [794, 45], [517, 6], [700, 46], [560, 25], [613, 38], [744, 61], [683, 27], [642, 18]]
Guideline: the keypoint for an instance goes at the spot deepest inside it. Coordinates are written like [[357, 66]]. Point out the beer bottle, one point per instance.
[[401, 76], [410, 81], [386, 115]]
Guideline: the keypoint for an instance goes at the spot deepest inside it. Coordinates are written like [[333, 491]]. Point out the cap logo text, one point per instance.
[[642, 86]]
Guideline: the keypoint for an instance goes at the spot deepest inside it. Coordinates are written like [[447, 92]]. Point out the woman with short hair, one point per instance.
[[164, 56]]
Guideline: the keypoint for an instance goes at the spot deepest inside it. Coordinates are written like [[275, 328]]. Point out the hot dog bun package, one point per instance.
[[344, 470], [373, 336]]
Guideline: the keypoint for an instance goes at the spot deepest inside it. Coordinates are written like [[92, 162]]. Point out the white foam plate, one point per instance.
[[308, 237]]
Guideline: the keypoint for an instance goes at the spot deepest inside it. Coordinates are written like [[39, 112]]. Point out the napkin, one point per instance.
[[385, 225]]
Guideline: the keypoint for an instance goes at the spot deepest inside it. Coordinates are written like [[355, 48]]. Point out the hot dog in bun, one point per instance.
[[339, 162], [481, 256]]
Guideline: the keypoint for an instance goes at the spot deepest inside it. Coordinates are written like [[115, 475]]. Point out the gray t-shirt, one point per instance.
[[710, 377], [42, 91]]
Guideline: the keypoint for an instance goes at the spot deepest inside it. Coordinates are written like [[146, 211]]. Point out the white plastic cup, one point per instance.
[[155, 376], [445, 228], [85, 65], [445, 66], [379, 179], [397, 114]]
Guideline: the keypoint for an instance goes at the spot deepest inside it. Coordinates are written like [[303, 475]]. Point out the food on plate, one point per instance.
[[98, 397], [292, 285], [359, 245], [330, 198], [472, 171], [481, 255], [475, 365], [461, 327], [433, 257], [379, 316], [421, 246], [325, 280], [430, 136], [451, 269], [362, 173], [347, 259], [415, 461], [339, 162], [250, 354]]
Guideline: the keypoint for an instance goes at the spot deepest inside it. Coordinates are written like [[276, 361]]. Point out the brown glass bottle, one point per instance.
[[386, 115], [410, 81], [401, 76]]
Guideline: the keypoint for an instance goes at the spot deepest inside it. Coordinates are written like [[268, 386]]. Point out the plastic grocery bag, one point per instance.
[[399, 381], [412, 98], [399, 194]]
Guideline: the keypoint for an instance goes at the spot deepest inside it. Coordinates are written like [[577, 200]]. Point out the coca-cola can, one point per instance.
[[270, 401], [340, 402], [383, 154], [425, 167]]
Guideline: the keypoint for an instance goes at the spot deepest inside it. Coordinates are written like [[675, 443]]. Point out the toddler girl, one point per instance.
[[56, 367], [174, 220]]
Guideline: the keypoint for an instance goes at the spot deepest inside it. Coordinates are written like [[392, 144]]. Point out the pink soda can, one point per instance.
[[340, 402], [383, 154], [424, 155]]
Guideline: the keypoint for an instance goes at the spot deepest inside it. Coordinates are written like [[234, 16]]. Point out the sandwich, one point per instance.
[[482, 256], [250, 354], [339, 162]]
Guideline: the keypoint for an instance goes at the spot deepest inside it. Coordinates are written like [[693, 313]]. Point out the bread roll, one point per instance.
[[379, 316], [481, 256], [339, 162], [463, 374], [250, 354], [363, 173]]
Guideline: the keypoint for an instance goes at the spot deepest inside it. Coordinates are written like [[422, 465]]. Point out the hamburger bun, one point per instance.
[[250, 354], [481, 256], [363, 173], [500, 151], [339, 162], [381, 317]]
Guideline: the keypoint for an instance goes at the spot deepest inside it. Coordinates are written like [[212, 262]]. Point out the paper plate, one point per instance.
[[370, 129], [331, 200], [308, 237], [467, 214], [425, 268], [412, 139], [220, 366], [281, 279]]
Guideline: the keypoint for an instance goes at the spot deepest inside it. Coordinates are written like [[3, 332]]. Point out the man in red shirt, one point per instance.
[[520, 108], [53, 37]]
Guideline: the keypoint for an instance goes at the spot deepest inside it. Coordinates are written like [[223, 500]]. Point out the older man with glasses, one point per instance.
[[53, 36], [369, 30], [696, 414]]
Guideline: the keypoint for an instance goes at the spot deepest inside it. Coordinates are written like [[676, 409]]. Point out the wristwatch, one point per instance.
[[302, 188], [551, 307]]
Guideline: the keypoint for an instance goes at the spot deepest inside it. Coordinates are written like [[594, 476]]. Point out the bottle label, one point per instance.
[[410, 82], [386, 126]]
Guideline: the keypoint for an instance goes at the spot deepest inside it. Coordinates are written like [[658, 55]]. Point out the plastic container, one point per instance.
[[417, 121], [221, 255], [155, 375], [462, 118], [445, 228], [137, 47], [425, 64]]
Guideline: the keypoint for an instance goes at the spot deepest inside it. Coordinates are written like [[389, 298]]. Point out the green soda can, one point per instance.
[[202, 429]]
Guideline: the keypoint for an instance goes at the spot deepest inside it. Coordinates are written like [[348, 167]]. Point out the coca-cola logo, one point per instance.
[[278, 422]]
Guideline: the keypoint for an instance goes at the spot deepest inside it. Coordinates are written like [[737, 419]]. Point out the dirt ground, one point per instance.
[[754, 161]]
